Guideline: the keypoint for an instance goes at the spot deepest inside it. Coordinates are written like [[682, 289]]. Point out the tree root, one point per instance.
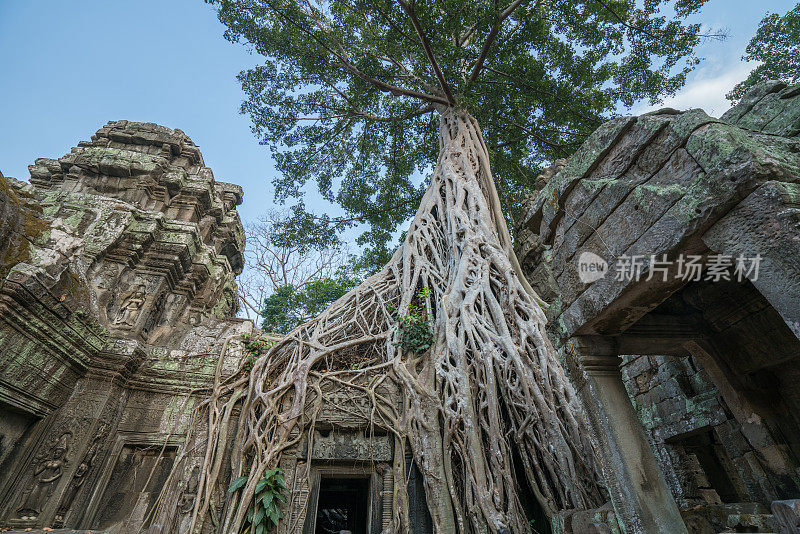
[[487, 402]]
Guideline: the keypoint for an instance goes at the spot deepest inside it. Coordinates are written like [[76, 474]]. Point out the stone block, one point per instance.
[[766, 224], [787, 515]]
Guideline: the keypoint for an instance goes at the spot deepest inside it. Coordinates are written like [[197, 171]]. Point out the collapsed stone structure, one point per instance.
[[118, 266], [710, 360]]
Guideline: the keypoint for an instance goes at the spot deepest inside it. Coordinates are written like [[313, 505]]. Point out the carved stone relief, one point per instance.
[[131, 304], [119, 215], [46, 473], [335, 445], [81, 473]]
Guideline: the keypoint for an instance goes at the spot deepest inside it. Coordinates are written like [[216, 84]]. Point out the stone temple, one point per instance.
[[668, 248], [119, 265]]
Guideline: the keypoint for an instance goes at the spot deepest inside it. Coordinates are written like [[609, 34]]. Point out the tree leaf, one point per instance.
[[259, 516], [237, 483]]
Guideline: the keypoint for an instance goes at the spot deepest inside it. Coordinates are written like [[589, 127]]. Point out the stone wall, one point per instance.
[[706, 456], [710, 379], [114, 308]]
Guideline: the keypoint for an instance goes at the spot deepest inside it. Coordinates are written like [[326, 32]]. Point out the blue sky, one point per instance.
[[68, 67]]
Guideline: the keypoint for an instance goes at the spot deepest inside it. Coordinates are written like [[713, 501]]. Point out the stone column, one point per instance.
[[642, 501]]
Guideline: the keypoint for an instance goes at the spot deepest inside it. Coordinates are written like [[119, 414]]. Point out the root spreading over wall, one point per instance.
[[487, 411]]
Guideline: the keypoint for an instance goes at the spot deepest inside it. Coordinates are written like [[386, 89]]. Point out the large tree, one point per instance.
[[446, 344], [776, 46], [349, 91]]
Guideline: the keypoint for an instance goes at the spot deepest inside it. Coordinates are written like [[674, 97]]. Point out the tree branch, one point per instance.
[[541, 139], [487, 44], [381, 86], [426, 45], [343, 220], [647, 33], [619, 19], [392, 23], [461, 41], [541, 91], [407, 73]]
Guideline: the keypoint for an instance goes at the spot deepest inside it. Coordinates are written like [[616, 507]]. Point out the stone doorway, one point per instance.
[[708, 466], [347, 498], [15, 425], [343, 506]]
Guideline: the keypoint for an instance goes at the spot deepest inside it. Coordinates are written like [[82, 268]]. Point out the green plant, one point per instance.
[[255, 346], [270, 493], [416, 334], [775, 50], [289, 307], [249, 362]]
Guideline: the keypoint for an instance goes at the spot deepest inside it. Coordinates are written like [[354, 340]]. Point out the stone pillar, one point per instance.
[[640, 495]]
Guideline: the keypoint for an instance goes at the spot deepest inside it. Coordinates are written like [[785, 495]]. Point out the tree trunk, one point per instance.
[[491, 386]]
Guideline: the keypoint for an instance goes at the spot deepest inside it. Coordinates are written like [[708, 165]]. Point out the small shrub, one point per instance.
[[416, 334], [255, 347], [265, 510], [249, 362]]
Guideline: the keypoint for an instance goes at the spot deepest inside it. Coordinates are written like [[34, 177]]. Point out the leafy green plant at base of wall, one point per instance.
[[265, 511]]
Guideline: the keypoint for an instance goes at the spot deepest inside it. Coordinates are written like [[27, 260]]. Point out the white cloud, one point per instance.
[[706, 90]]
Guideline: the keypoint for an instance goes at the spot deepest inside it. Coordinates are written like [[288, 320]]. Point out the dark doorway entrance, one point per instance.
[[343, 506]]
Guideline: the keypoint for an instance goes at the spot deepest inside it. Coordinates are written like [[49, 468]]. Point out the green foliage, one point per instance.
[[255, 346], [777, 46], [288, 307], [347, 91], [279, 311], [270, 493], [415, 329], [373, 259]]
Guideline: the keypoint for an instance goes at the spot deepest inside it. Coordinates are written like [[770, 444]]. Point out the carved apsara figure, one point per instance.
[[45, 476], [77, 480], [130, 306]]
